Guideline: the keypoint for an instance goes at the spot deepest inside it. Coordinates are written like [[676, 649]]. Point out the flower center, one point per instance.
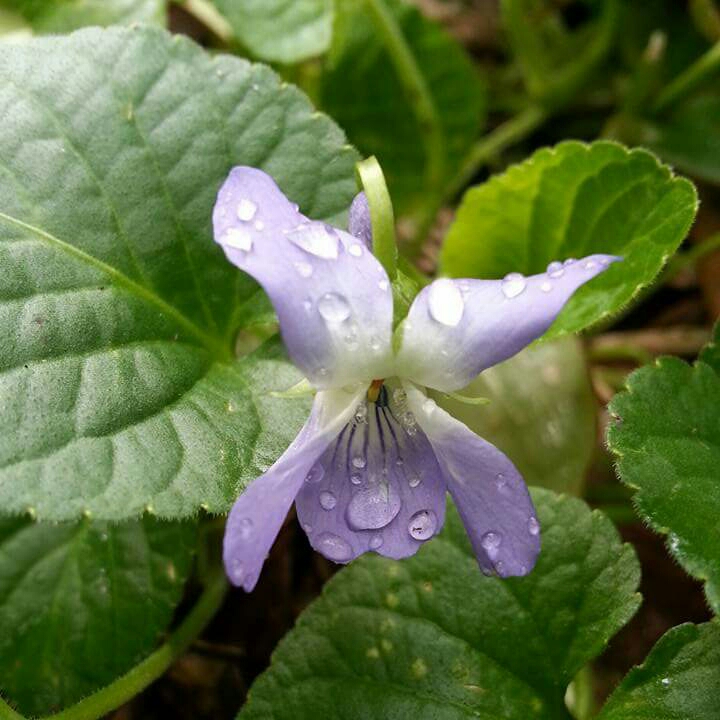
[[373, 392]]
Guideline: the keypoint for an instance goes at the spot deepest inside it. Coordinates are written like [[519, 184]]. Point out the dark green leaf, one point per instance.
[[671, 457], [679, 679], [569, 201], [541, 413], [431, 637], [81, 603], [118, 386]]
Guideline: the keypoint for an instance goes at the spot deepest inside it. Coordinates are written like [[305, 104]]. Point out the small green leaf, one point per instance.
[[541, 413], [284, 31], [118, 312], [569, 201], [81, 603], [679, 679], [431, 637], [672, 457], [61, 16], [361, 89]]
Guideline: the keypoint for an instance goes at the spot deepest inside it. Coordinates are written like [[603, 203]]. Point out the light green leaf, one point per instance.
[[61, 16], [284, 31], [81, 603], [431, 637], [118, 386], [361, 89], [569, 201], [672, 457], [541, 413], [679, 679]]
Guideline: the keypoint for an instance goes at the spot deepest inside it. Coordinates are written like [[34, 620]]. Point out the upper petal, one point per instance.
[[490, 495], [359, 223], [377, 487], [457, 328], [331, 295], [258, 514]]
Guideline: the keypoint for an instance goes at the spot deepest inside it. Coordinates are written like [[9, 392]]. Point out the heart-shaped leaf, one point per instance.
[[570, 201], [431, 637], [118, 312]]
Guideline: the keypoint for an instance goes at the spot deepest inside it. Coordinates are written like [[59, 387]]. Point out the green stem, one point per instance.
[[583, 696], [126, 687], [700, 72], [206, 13], [416, 90]]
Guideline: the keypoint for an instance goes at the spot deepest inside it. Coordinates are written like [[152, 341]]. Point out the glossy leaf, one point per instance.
[[81, 603], [431, 637], [117, 380], [671, 458], [284, 31], [679, 679], [570, 201], [541, 413], [361, 89]]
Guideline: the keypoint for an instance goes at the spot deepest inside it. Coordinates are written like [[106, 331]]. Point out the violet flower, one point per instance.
[[370, 468]]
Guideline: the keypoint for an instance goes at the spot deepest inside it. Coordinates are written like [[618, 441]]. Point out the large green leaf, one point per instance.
[[59, 16], [541, 414], [569, 201], [283, 31], [118, 386], [361, 89], [431, 637], [81, 603], [679, 680], [671, 457]]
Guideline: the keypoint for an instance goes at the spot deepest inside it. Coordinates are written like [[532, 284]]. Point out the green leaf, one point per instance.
[[671, 458], [81, 603], [541, 413], [569, 201], [431, 637], [117, 381], [61, 16], [361, 89], [679, 679], [284, 31]]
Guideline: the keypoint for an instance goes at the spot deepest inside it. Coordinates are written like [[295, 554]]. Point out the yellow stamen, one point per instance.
[[373, 392]]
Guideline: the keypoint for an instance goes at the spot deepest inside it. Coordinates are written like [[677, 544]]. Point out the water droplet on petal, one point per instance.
[[304, 269], [445, 302], [500, 481], [490, 542], [414, 481], [513, 284], [374, 507], [590, 264], [383, 285], [355, 479], [359, 462], [429, 406], [555, 269], [546, 286], [259, 225], [246, 210], [308, 528], [374, 343], [422, 525], [316, 474], [315, 239], [376, 541], [399, 396], [361, 413], [327, 500], [355, 250], [334, 547], [533, 525], [333, 307], [237, 238], [237, 570], [407, 420], [245, 527]]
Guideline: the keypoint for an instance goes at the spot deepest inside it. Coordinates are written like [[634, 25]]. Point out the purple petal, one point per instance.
[[359, 224], [489, 493], [331, 295], [377, 487], [457, 328], [258, 514]]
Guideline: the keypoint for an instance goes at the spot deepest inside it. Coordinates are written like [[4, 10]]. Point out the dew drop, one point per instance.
[[304, 269], [500, 481], [316, 474], [407, 420], [376, 541], [665, 682], [355, 479], [422, 525], [237, 570], [355, 250], [533, 525], [237, 238], [546, 286], [414, 481], [307, 304], [245, 528], [569, 261], [361, 413], [590, 264], [555, 269], [334, 547], [399, 396], [359, 462], [513, 284], [246, 210], [327, 500], [383, 285], [315, 239], [374, 343], [308, 528], [333, 307], [429, 406], [490, 542], [259, 225], [373, 508], [445, 302]]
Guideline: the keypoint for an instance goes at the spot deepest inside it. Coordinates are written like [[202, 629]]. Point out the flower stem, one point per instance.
[[416, 90], [690, 79], [138, 678]]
